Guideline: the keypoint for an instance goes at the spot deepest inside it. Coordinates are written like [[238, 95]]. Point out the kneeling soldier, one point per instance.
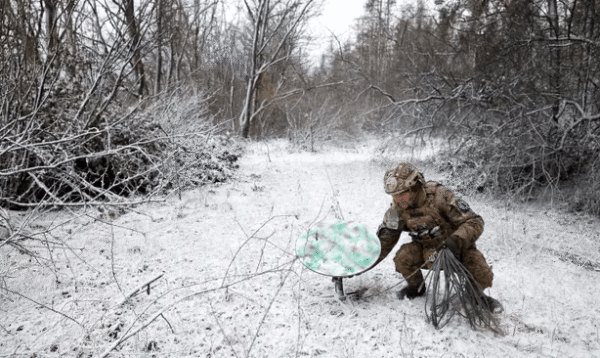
[[435, 218]]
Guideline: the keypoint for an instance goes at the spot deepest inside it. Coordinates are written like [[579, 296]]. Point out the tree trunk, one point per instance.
[[590, 14], [249, 106], [171, 63], [136, 43], [268, 48], [72, 40], [50, 10], [554, 77], [159, 30], [260, 18]]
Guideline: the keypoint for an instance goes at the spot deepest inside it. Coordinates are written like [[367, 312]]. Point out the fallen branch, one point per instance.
[[139, 288], [171, 305], [120, 341]]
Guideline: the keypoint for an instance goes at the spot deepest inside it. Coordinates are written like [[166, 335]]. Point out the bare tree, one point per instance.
[[159, 40], [555, 34], [50, 8], [128, 9], [274, 24]]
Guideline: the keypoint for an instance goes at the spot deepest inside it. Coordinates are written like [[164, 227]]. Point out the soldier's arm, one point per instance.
[[469, 224], [389, 231]]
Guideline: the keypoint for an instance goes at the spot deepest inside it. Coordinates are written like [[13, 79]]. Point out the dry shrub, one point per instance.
[[324, 122], [583, 193], [53, 160], [47, 156], [464, 176], [514, 143], [526, 158], [196, 154]]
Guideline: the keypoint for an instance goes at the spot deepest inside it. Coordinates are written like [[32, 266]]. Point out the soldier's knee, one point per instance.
[[483, 276], [476, 264], [408, 257]]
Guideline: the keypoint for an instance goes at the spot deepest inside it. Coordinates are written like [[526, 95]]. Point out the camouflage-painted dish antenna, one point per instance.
[[338, 249]]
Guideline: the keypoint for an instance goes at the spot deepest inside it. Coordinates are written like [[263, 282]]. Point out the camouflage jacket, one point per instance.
[[440, 208]]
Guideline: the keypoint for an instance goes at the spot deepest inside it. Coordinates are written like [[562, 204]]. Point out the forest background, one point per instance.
[[100, 100]]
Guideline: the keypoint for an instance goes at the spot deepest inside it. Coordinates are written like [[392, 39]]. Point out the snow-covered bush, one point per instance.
[[55, 160]]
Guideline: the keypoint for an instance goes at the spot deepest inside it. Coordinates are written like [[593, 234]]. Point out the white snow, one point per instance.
[[235, 288]]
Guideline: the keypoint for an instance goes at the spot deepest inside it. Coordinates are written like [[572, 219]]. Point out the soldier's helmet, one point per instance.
[[401, 179]]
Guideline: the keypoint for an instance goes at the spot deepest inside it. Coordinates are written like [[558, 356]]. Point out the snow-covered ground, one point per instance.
[[231, 286]]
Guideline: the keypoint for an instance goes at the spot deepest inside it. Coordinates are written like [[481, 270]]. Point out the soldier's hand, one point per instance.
[[422, 233], [384, 233], [436, 233], [415, 235], [419, 233], [453, 244]]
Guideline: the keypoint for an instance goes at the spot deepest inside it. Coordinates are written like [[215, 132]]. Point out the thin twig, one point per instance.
[[112, 259], [44, 306], [139, 288], [248, 239], [281, 284], [213, 312]]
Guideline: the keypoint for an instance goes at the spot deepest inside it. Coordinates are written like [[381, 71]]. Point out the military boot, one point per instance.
[[492, 304], [415, 287], [411, 292]]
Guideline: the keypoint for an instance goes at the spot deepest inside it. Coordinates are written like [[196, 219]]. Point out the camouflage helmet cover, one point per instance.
[[401, 179]]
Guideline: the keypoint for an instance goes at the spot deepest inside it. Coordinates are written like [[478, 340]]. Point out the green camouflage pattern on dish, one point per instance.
[[338, 249]]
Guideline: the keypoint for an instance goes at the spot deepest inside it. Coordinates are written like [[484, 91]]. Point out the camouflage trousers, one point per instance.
[[412, 256]]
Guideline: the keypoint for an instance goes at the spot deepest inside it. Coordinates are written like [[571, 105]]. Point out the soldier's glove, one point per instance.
[[422, 233], [436, 233], [453, 244], [385, 234], [388, 239]]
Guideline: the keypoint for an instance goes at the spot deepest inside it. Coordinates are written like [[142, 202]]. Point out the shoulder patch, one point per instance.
[[391, 219], [463, 206]]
